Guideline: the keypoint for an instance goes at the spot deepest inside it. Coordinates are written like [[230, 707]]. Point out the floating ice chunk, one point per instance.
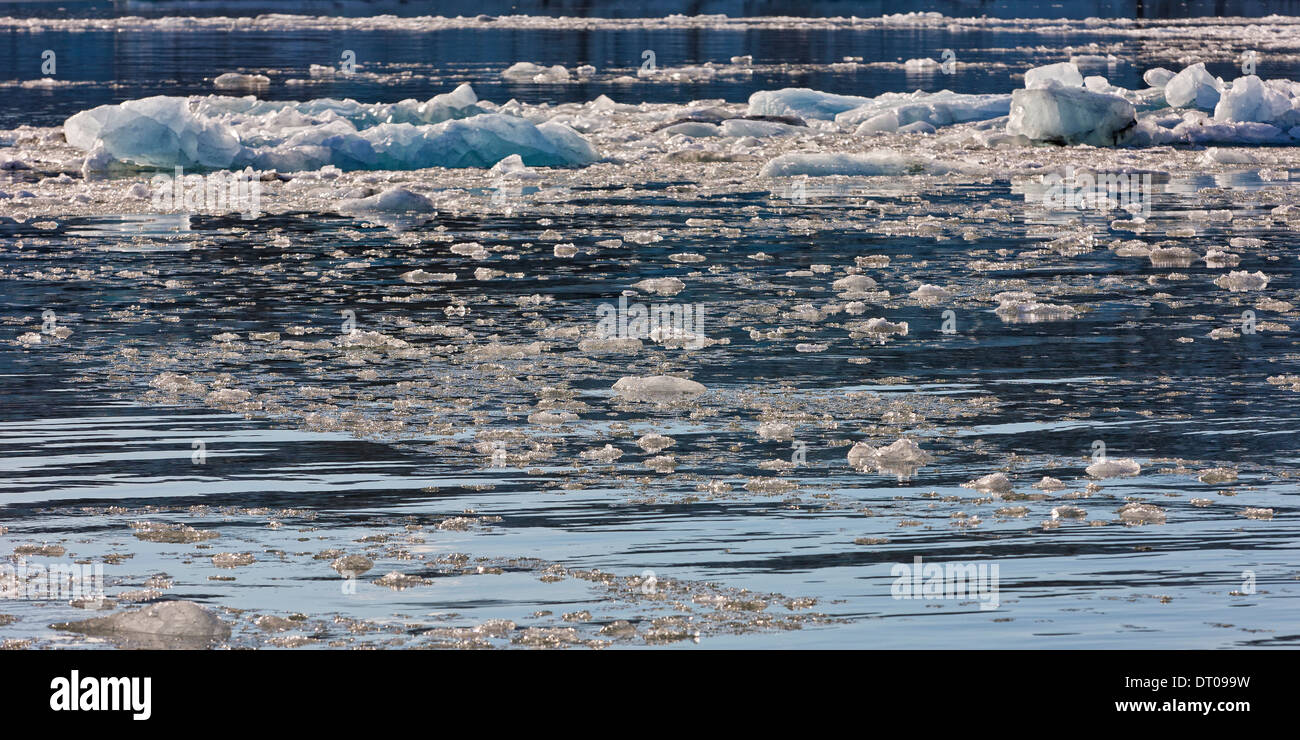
[[903, 450], [529, 72], [1157, 76], [1019, 307], [994, 483], [879, 328], [1193, 86], [393, 200], [1240, 281], [902, 458], [738, 127], [921, 66], [420, 276], [371, 340], [1227, 156], [169, 624], [930, 294], [1171, 257], [159, 131], [480, 141], [776, 430], [1094, 60], [1068, 512], [236, 81], [660, 286], [889, 111], [693, 129], [1249, 99], [653, 443], [1065, 73], [599, 346], [1048, 483], [1220, 258], [1245, 132], [451, 130], [854, 284], [1215, 476], [657, 387], [1064, 115], [802, 102], [551, 418], [607, 454], [1113, 468], [459, 103], [1135, 513], [1098, 84], [878, 162]]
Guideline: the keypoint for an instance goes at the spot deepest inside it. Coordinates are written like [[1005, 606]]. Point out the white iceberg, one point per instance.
[[449, 130], [1067, 115], [529, 72], [160, 131], [1249, 99], [891, 111], [1065, 73], [802, 102], [1193, 87]]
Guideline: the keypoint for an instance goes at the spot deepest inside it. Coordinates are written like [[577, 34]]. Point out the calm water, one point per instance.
[[88, 448]]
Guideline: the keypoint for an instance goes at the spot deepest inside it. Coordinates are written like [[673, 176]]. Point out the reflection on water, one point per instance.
[[208, 432]]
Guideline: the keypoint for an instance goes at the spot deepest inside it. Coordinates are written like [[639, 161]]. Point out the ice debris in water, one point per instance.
[[902, 458], [1068, 512], [236, 81], [530, 72], [1049, 483], [221, 132], [653, 443], [1136, 513], [930, 294], [174, 624], [879, 162], [994, 483], [393, 200], [660, 286], [1113, 468], [657, 386], [1240, 281]]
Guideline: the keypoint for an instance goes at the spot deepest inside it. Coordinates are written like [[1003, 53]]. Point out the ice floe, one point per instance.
[[450, 130]]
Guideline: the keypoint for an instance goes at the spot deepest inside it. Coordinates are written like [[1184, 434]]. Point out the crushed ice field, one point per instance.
[[577, 354]]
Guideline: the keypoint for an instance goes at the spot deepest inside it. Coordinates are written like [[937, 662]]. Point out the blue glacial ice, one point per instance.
[[449, 130], [1059, 114]]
